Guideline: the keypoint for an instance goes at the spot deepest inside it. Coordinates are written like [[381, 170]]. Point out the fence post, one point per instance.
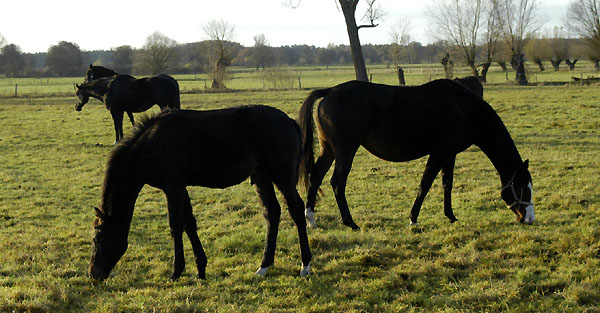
[[299, 83], [16, 88]]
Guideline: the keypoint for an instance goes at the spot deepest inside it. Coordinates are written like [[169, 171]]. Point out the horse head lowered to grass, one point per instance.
[[399, 124], [215, 149]]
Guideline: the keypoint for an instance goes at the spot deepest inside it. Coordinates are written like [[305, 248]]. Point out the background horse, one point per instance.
[[472, 83], [123, 93], [96, 71], [399, 124], [215, 149]]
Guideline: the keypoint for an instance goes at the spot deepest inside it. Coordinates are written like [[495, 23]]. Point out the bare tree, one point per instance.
[[261, 52], [220, 33], [490, 44], [159, 53], [459, 22], [583, 19], [374, 13], [399, 38], [518, 22]]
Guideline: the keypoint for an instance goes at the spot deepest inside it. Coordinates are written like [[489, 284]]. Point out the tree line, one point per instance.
[[67, 59]]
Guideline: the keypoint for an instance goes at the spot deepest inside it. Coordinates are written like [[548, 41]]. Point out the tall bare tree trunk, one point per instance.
[[349, 9]]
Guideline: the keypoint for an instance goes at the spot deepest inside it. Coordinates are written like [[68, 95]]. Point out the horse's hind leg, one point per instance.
[[175, 203], [191, 231], [447, 180], [343, 165], [316, 178], [266, 193], [295, 206], [117, 117], [433, 167]]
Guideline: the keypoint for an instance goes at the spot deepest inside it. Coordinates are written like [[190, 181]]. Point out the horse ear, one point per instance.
[[90, 65], [526, 164], [99, 213]]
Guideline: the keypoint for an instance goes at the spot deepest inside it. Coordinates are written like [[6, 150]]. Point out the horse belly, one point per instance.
[[396, 152]]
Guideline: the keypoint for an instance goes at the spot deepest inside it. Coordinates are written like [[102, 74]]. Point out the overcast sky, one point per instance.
[[35, 25]]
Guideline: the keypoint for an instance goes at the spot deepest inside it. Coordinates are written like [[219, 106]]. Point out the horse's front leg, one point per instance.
[[191, 231], [447, 181], [131, 119], [266, 193], [175, 203], [433, 167], [117, 117]]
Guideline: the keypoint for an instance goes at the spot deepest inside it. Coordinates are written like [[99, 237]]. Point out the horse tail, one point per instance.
[[305, 120]]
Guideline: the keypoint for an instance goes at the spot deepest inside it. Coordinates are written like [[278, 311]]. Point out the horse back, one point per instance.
[[219, 148], [399, 123]]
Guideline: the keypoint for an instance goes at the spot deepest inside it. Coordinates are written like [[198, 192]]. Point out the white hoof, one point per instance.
[[310, 217], [262, 271], [305, 271], [413, 224]]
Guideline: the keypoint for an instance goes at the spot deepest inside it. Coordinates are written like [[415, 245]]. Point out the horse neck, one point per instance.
[[119, 193], [98, 88], [499, 147]]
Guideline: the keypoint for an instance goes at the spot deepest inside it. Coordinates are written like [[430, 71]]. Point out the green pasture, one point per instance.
[[52, 161], [304, 77]]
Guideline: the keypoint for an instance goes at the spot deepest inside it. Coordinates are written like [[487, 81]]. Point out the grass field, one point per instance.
[[52, 161]]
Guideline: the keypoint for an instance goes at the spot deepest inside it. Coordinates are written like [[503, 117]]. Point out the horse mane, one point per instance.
[[144, 123]]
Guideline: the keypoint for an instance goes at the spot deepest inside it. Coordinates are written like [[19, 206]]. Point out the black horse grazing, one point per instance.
[[215, 149], [399, 124], [123, 93]]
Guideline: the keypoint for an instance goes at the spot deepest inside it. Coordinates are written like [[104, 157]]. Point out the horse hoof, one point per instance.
[[305, 271], [353, 226], [262, 271], [310, 217], [413, 224]]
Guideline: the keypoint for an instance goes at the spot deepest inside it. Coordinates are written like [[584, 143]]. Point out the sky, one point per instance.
[[35, 25]]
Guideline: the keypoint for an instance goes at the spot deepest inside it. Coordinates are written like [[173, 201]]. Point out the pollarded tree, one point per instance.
[[459, 22], [517, 22], [583, 19], [558, 47], [220, 33], [537, 50]]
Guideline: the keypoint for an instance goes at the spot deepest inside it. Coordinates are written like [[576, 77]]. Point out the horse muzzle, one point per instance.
[[97, 273], [78, 106]]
